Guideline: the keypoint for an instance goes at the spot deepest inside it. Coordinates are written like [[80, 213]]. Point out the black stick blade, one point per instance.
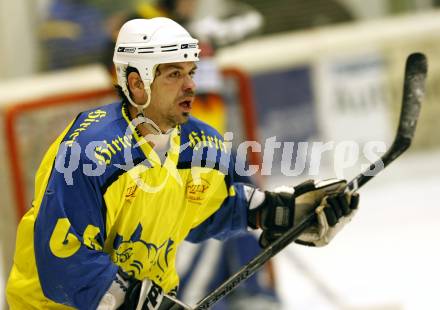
[[413, 93], [416, 69]]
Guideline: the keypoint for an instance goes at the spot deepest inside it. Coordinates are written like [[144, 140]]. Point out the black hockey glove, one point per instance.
[[142, 295], [287, 207], [128, 293], [147, 295]]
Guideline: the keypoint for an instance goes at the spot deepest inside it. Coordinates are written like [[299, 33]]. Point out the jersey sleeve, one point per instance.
[[69, 237]]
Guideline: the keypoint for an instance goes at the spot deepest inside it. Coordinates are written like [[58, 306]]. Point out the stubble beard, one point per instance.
[[181, 119]]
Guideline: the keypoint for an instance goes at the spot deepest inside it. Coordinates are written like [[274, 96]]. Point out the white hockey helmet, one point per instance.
[[145, 43]]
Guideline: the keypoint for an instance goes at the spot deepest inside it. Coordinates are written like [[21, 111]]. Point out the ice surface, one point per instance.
[[388, 255]]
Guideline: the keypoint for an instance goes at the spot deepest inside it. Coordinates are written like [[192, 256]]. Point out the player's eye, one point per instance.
[[175, 74]]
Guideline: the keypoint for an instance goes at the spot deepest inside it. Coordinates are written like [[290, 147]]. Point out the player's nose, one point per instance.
[[189, 84]]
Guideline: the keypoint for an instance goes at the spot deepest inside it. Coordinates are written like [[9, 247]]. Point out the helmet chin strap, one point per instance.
[[145, 121], [157, 137]]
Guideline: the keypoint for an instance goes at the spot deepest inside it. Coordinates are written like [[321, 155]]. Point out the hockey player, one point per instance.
[[220, 259], [126, 183]]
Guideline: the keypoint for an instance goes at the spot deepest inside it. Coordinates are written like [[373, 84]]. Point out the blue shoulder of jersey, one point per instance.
[[104, 141], [202, 145]]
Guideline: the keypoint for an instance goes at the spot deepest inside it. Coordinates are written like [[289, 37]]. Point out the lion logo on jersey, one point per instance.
[[138, 257]]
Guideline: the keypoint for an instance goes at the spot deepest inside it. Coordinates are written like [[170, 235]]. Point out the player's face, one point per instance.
[[172, 94]]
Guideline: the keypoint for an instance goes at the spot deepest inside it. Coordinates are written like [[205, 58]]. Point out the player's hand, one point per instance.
[[143, 295], [147, 295], [335, 210], [286, 207], [128, 293]]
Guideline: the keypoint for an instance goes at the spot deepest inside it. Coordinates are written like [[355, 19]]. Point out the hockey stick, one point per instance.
[[413, 93]]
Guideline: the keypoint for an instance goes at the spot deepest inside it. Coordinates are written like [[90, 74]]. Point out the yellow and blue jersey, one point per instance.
[[105, 200]]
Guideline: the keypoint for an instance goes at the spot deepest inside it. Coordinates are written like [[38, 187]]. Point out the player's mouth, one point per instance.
[[186, 105]]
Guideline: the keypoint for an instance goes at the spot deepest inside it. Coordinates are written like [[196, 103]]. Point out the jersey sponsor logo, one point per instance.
[[107, 150], [196, 190], [130, 193], [92, 117], [139, 258], [198, 140]]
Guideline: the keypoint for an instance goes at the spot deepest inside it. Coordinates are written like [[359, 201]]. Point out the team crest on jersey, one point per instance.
[[139, 258]]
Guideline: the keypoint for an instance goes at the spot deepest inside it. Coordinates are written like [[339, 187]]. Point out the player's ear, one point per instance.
[[135, 84]]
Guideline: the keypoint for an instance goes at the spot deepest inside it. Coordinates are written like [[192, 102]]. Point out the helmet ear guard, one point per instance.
[[122, 78], [144, 44]]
